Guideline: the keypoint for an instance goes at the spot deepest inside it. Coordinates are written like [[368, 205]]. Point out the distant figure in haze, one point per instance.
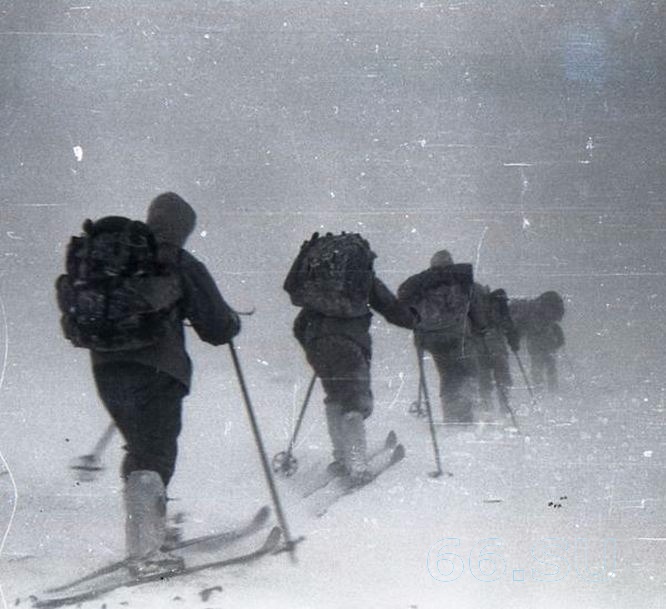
[[333, 280], [450, 314], [492, 352], [128, 289], [538, 322]]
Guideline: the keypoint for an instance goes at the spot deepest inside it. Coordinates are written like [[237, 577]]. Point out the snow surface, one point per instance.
[[525, 137], [373, 547]]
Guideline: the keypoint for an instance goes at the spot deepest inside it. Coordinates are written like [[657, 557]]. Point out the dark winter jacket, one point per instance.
[[498, 316], [415, 291], [311, 325], [537, 323], [172, 220]]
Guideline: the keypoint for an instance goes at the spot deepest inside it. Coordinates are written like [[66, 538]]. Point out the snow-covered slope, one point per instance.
[[586, 465], [526, 137]]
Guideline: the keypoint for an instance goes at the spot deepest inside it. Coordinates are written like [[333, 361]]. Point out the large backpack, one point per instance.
[[332, 275], [444, 306], [550, 306], [116, 295]]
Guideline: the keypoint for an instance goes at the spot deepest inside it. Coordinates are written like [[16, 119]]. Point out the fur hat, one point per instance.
[[171, 218], [441, 258], [499, 294]]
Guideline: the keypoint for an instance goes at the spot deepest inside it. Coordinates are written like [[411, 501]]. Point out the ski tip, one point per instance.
[[86, 468], [44, 603], [391, 439], [272, 540], [398, 454], [262, 515]]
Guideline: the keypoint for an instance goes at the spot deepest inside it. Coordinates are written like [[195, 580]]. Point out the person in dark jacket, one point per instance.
[[446, 301], [339, 349], [143, 389], [492, 352], [538, 322]]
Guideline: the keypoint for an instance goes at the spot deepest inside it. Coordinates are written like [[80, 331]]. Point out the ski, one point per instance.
[[346, 487], [269, 545], [210, 542], [215, 541], [390, 443]]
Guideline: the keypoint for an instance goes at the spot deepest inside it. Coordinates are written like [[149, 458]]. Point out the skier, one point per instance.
[[538, 321], [492, 352], [449, 314], [143, 387], [332, 279]]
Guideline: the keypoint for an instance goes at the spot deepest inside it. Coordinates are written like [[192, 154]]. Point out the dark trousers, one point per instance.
[[146, 406], [493, 367], [455, 359], [344, 370]]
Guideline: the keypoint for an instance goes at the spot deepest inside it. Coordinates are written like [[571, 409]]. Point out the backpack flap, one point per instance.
[[294, 283], [336, 275], [332, 275], [158, 292], [463, 274], [444, 300], [115, 296]]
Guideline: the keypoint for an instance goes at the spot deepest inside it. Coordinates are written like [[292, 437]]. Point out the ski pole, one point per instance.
[[415, 407], [433, 434], [503, 399], [88, 464], [104, 440], [290, 544], [527, 382], [284, 462]]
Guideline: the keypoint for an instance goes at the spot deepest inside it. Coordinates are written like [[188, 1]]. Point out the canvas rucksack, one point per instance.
[[550, 306], [332, 275], [115, 295], [444, 307]]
